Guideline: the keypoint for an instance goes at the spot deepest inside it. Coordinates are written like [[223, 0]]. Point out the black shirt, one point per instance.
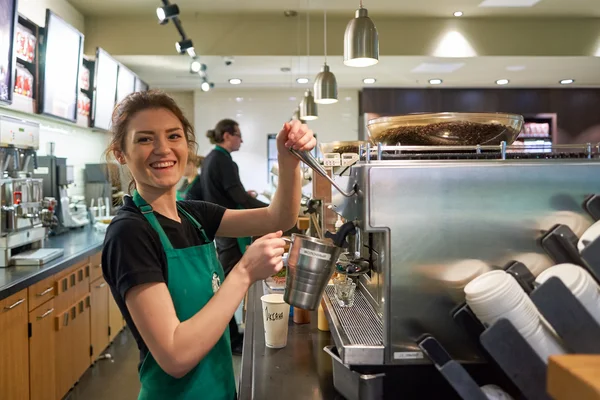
[[133, 254], [220, 184]]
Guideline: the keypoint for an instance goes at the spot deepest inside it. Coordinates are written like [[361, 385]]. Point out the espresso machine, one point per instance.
[[417, 213], [25, 213], [57, 176]]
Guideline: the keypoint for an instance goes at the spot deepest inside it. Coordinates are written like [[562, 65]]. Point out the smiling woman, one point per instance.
[[160, 260]]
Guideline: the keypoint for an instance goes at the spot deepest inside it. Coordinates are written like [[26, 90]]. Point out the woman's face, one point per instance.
[[155, 150]]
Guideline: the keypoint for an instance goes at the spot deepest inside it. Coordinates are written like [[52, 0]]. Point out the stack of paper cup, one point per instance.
[[591, 234], [495, 295], [276, 313], [579, 282]]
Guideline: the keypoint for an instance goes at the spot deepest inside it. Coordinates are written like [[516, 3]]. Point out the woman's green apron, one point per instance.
[[181, 194], [194, 274], [244, 241]]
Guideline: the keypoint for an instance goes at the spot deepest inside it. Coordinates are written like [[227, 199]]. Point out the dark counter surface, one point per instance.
[[77, 244], [301, 370]]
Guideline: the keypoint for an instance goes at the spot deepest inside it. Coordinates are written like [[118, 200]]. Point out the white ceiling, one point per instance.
[[435, 8], [172, 72]]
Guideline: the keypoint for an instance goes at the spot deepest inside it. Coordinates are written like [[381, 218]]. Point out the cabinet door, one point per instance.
[[42, 352], [115, 318], [99, 317], [14, 347], [63, 361]]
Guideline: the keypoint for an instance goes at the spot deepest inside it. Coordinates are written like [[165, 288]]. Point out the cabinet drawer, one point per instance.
[[41, 292], [96, 266], [10, 307]]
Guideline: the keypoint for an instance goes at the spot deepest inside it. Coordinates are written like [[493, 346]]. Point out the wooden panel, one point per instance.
[[574, 377], [14, 347], [63, 361], [115, 318], [41, 292], [96, 266], [80, 345], [42, 352], [99, 317]]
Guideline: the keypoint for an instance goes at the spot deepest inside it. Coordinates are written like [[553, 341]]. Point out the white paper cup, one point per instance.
[[276, 313]]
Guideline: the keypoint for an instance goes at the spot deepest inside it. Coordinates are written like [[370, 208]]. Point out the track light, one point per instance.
[[185, 45], [166, 13], [197, 67], [206, 86]]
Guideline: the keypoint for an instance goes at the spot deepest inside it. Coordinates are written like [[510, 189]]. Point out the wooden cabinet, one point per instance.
[[14, 347], [42, 352], [115, 318], [99, 316], [80, 334]]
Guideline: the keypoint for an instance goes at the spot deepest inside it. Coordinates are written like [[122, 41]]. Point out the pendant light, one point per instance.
[[361, 41], [325, 84], [308, 107]]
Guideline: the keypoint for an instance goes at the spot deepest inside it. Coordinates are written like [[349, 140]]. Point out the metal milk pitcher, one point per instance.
[[311, 264]]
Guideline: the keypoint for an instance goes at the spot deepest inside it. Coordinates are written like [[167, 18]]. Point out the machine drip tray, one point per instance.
[[36, 257], [357, 330]]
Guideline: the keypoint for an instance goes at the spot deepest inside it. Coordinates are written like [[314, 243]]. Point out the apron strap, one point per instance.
[[148, 212]]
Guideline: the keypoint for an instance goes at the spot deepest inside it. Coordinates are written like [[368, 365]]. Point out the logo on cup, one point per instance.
[[272, 316]]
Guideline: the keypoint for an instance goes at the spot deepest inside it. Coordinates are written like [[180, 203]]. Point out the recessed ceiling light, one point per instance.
[[435, 81], [508, 3], [293, 98], [458, 13], [502, 82], [235, 81], [437, 68], [369, 81], [567, 81], [239, 99], [302, 80], [515, 68]]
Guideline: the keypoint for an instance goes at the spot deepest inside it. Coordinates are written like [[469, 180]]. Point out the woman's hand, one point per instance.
[[263, 258], [294, 135]]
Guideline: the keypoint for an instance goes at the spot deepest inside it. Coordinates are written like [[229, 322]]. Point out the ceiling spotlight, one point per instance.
[[235, 81], [567, 81], [184, 45], [196, 67], [302, 80], [166, 13], [290, 13], [435, 81], [502, 82], [369, 81], [206, 86], [458, 13]]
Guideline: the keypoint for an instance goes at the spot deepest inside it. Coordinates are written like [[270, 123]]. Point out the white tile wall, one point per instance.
[[260, 112]]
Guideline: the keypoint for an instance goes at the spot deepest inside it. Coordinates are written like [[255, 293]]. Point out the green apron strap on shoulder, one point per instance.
[[194, 222], [148, 213]]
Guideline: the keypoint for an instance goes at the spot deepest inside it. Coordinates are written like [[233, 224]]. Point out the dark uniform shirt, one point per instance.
[[220, 184]]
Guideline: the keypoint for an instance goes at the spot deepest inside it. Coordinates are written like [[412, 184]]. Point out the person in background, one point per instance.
[[160, 261], [190, 189], [221, 184]]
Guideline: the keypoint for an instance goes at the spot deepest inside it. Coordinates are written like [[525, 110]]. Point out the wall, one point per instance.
[[260, 112], [577, 110], [185, 100], [35, 10]]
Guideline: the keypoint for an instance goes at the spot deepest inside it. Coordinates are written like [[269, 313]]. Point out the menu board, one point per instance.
[[140, 85], [62, 58], [8, 21], [105, 81], [125, 83]]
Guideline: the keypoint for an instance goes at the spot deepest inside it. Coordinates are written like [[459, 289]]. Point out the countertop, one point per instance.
[[77, 244], [301, 370]]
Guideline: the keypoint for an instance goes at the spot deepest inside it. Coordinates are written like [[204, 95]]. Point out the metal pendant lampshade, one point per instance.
[[325, 87], [361, 41], [308, 107]]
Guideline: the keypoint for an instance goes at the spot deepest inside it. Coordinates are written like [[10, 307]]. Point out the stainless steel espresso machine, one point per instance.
[[25, 213], [420, 210]]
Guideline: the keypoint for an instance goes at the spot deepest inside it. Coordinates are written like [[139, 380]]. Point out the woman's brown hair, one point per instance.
[[141, 101], [224, 126]]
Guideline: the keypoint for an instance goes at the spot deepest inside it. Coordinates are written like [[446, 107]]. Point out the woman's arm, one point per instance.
[[283, 211], [178, 346]]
